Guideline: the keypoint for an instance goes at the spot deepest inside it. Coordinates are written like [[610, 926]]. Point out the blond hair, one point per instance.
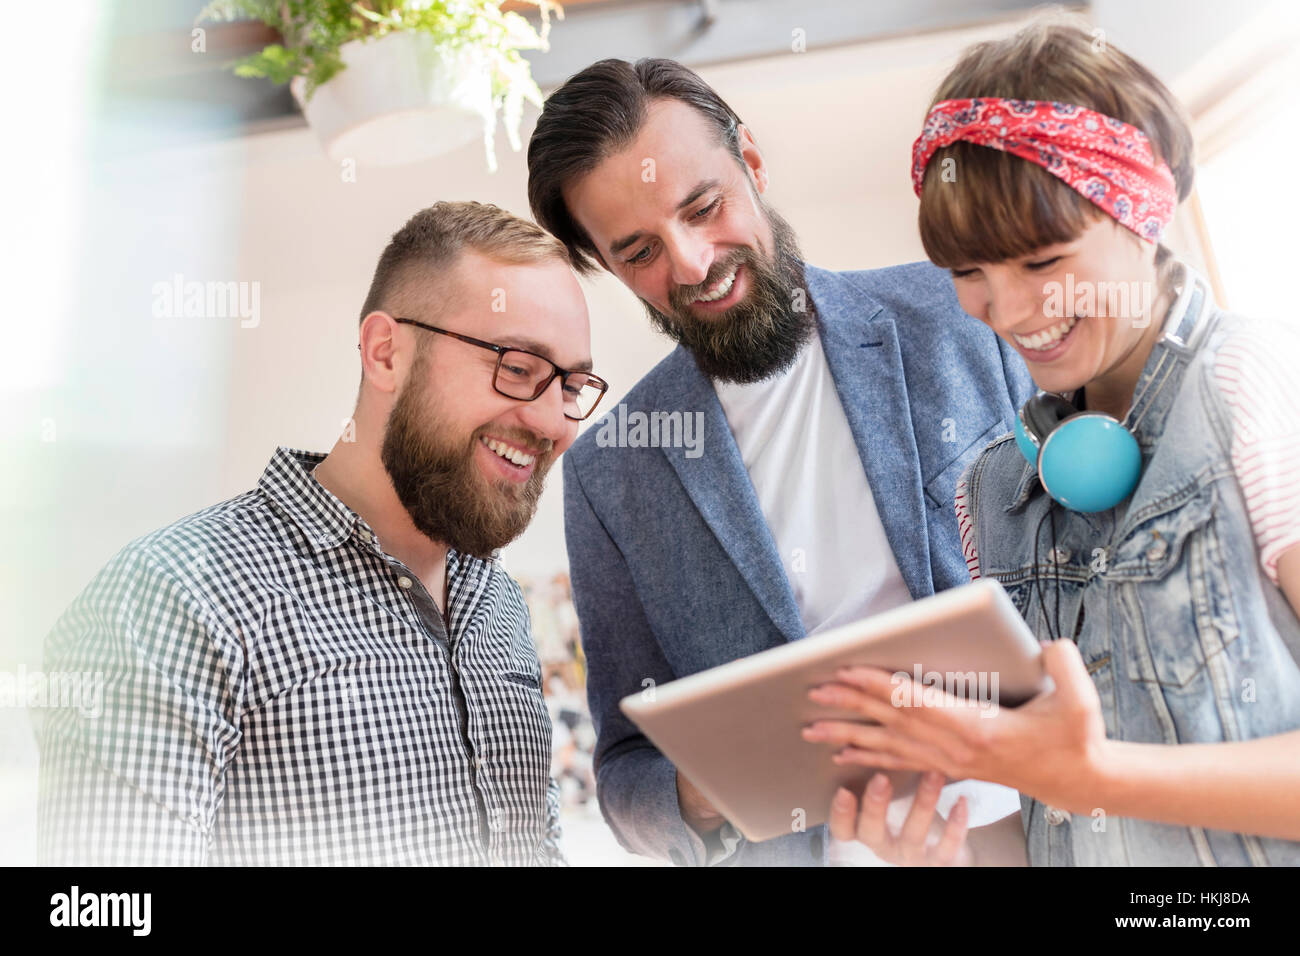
[[433, 239]]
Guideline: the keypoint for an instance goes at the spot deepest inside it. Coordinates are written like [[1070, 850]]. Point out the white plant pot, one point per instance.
[[401, 99]]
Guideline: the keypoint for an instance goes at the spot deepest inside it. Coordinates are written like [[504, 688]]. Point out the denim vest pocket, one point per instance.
[[1153, 547], [1101, 668], [1020, 593], [1184, 616]]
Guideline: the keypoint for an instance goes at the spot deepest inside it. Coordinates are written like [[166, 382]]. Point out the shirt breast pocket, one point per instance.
[[940, 490], [531, 681], [1174, 593], [524, 663]]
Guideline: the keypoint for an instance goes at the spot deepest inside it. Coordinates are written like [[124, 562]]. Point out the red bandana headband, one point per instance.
[[1105, 160]]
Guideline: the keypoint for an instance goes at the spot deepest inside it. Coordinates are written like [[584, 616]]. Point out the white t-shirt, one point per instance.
[[801, 457]]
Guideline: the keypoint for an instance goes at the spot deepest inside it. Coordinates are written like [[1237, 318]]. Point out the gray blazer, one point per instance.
[[673, 567]]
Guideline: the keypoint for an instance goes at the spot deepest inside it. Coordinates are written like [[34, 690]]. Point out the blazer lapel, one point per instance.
[[861, 344], [719, 486]]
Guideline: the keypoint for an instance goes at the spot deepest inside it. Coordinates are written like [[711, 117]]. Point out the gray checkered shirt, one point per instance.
[[278, 690]]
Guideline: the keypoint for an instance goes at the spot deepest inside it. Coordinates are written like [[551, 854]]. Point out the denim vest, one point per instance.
[[1186, 639]]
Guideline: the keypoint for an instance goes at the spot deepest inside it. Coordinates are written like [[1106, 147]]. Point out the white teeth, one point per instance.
[[1045, 339], [508, 453], [720, 290]]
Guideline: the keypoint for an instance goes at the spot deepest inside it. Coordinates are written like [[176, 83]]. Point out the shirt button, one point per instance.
[[365, 535], [404, 582], [1056, 816], [478, 763]]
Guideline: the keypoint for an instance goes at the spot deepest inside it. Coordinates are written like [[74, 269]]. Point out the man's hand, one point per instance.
[[924, 840], [696, 809]]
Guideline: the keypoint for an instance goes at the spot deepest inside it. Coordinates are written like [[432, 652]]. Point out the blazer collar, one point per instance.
[[861, 346], [721, 490], [860, 338]]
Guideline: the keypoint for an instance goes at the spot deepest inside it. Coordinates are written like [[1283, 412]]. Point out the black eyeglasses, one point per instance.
[[525, 375]]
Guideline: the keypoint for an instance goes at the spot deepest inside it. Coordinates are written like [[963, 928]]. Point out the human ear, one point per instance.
[[378, 347], [752, 157]]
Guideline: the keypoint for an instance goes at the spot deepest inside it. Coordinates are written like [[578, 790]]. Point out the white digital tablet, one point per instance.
[[735, 730]]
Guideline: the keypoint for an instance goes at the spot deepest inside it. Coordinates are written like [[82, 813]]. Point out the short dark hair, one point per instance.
[[1004, 206], [596, 113]]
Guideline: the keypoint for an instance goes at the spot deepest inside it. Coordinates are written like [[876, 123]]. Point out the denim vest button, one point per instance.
[[1056, 816], [1157, 550], [1060, 555]]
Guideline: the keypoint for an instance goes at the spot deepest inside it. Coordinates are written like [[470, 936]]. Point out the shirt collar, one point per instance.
[[325, 521]]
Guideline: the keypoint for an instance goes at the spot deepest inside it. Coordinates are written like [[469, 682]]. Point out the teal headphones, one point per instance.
[[1088, 461]]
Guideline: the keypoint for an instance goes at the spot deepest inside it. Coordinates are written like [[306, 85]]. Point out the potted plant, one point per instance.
[[395, 81]]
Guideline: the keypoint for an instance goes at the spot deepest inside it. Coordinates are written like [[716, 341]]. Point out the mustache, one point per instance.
[[684, 295], [761, 334], [520, 436]]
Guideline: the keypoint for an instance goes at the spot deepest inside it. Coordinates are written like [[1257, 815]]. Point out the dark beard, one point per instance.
[[761, 335], [442, 489]]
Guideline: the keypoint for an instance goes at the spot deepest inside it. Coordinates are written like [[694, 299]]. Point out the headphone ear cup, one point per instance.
[[1037, 419], [1090, 463]]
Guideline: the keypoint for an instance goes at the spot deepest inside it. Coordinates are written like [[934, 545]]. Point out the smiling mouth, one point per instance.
[[510, 453], [720, 289], [1045, 339]]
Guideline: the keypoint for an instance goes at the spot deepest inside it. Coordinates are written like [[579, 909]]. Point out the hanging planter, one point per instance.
[[400, 99], [384, 83]]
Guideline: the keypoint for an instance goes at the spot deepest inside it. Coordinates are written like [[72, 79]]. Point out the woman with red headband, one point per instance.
[[1144, 516]]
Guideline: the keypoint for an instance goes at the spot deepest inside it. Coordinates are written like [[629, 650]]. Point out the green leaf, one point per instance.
[[313, 33]]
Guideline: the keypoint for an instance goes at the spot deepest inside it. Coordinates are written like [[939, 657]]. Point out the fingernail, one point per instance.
[[877, 785], [843, 797]]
